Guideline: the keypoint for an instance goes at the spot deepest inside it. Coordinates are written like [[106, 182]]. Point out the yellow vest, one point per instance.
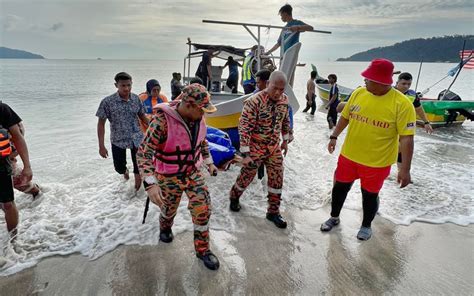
[[246, 70]]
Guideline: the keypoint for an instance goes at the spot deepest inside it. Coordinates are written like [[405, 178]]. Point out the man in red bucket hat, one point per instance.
[[377, 116]]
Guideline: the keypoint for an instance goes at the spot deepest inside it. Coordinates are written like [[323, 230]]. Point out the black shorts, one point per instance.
[[6, 188]]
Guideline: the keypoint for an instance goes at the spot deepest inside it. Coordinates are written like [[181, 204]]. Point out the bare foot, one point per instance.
[[13, 233], [126, 175], [138, 182], [35, 191]]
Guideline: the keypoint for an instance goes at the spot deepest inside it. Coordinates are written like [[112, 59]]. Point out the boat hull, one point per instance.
[[229, 106], [323, 92], [443, 113]]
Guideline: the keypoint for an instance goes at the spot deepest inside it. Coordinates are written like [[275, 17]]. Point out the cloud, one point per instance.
[[56, 26], [160, 27], [10, 22]]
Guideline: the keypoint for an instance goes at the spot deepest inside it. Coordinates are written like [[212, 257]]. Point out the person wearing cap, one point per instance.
[[123, 109], [378, 117], [264, 118], [170, 158], [151, 98]]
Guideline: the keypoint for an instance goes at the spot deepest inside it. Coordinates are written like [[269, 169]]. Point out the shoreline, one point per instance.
[[258, 258]]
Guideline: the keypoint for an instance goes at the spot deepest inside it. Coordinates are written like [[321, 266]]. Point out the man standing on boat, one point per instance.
[[248, 81], [378, 117], [123, 109], [264, 118], [170, 158], [290, 35], [204, 70]]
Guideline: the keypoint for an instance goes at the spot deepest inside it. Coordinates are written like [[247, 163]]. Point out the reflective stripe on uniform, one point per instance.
[[274, 190], [201, 227]]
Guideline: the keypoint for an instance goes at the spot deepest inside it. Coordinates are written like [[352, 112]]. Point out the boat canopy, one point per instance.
[[224, 51]]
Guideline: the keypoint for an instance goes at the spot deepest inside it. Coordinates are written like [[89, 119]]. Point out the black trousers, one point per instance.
[[313, 105], [119, 156]]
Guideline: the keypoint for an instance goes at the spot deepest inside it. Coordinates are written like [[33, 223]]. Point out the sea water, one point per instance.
[[88, 208]]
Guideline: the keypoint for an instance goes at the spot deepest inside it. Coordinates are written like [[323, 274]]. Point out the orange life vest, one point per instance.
[[5, 145], [149, 103]]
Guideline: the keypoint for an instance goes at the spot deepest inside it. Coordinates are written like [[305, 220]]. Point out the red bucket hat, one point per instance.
[[380, 71]]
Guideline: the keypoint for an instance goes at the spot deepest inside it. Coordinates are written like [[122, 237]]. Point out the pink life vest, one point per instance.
[[178, 156]]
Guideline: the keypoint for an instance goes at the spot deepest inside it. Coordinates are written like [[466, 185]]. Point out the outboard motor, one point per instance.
[[450, 96]]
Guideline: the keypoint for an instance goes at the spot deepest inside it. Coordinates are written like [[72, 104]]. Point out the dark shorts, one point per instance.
[[6, 188]]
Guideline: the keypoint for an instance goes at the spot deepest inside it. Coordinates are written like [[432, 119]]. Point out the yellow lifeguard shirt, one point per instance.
[[375, 123]]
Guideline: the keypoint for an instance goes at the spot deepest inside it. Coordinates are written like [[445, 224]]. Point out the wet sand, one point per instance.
[[260, 259]]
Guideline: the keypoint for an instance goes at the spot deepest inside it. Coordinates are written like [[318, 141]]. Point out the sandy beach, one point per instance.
[[259, 259]]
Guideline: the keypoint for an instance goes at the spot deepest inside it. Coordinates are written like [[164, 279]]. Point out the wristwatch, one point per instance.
[[333, 137], [426, 122]]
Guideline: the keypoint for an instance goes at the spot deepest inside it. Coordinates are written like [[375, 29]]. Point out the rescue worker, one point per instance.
[[377, 117], [265, 116], [169, 159]]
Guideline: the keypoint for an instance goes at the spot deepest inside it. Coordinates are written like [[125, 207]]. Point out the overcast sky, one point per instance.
[[157, 29]]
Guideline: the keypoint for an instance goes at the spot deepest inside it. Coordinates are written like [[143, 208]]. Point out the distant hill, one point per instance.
[[9, 53], [436, 49]]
